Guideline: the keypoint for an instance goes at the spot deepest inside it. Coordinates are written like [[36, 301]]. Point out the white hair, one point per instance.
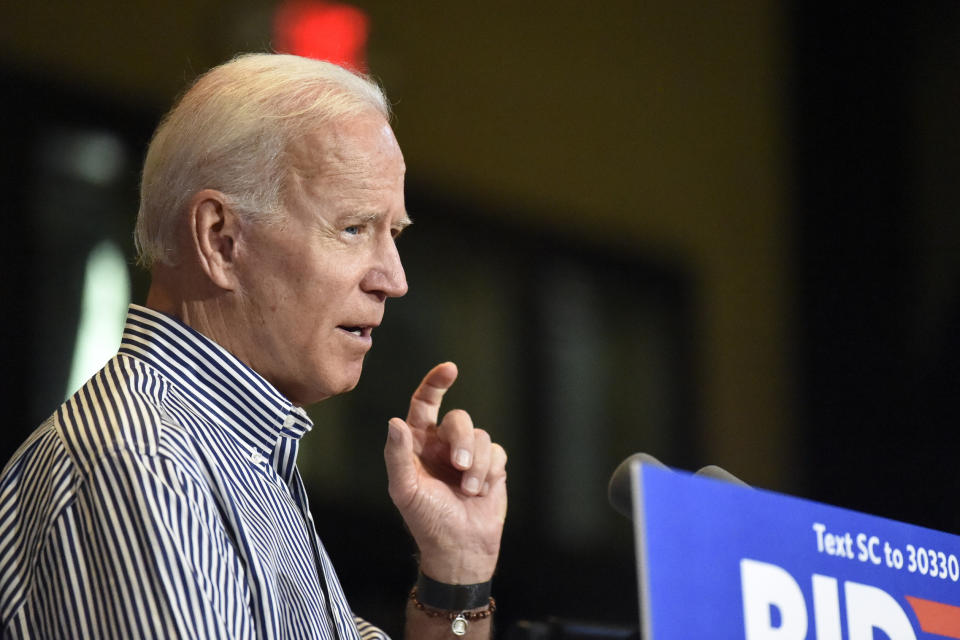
[[232, 131]]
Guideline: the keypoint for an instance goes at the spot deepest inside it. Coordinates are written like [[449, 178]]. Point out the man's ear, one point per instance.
[[215, 232]]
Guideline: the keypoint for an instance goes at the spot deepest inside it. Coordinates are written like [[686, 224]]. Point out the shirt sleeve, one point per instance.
[[368, 631], [141, 552]]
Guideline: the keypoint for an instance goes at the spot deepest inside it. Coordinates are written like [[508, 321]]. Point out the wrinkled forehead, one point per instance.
[[359, 144]]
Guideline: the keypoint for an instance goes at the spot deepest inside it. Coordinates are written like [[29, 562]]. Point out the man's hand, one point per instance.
[[450, 484]]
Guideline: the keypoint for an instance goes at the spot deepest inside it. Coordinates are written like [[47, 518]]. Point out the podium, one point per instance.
[[716, 560]]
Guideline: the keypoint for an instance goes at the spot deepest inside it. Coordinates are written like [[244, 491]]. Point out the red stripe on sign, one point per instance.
[[936, 617]]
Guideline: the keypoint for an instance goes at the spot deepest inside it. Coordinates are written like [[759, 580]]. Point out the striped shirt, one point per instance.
[[162, 500]]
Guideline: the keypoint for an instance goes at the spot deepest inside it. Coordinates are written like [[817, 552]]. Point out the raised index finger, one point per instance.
[[425, 402]]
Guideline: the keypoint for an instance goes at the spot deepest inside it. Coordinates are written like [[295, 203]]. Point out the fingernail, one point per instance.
[[462, 459], [393, 432], [471, 485]]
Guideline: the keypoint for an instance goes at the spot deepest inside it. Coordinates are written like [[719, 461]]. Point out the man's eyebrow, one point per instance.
[[376, 216]]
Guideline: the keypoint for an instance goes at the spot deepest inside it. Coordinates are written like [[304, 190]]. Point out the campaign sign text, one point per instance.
[[721, 561]]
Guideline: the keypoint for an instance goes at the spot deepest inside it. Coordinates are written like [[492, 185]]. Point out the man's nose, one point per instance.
[[387, 277]]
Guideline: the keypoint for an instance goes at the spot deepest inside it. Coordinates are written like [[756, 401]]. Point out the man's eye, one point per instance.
[[353, 230]]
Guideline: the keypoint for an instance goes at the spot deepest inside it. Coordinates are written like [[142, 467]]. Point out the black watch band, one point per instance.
[[452, 597]]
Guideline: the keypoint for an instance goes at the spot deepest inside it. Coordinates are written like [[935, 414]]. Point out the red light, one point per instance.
[[323, 30]]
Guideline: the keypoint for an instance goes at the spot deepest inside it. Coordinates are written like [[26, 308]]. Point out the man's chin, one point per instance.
[[349, 386], [346, 380]]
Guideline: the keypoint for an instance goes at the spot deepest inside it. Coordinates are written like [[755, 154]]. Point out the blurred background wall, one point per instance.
[[717, 232]]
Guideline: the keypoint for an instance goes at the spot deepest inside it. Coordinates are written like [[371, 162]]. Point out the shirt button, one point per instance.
[[256, 458]]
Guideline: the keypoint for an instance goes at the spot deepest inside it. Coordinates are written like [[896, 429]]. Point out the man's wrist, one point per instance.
[[456, 604], [451, 597], [457, 568]]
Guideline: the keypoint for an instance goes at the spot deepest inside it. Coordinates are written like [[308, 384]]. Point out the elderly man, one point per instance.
[[163, 500]]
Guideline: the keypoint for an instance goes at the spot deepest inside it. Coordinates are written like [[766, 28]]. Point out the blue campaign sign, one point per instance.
[[718, 560]]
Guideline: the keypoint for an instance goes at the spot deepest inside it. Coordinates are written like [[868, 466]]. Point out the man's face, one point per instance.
[[314, 285]]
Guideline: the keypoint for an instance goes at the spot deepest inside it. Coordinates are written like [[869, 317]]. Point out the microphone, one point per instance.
[[618, 489], [621, 497], [715, 472]]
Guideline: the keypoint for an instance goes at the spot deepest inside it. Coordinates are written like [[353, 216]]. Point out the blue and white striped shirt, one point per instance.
[[162, 500]]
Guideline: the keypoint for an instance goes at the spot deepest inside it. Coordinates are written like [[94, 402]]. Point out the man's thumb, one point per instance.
[[398, 456]]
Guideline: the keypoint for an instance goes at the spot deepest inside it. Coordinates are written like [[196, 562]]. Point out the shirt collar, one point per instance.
[[225, 389]]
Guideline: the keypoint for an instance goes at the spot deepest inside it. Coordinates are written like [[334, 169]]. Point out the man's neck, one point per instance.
[[183, 296]]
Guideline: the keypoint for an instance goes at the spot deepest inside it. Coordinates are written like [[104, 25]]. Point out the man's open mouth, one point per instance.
[[359, 331]]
